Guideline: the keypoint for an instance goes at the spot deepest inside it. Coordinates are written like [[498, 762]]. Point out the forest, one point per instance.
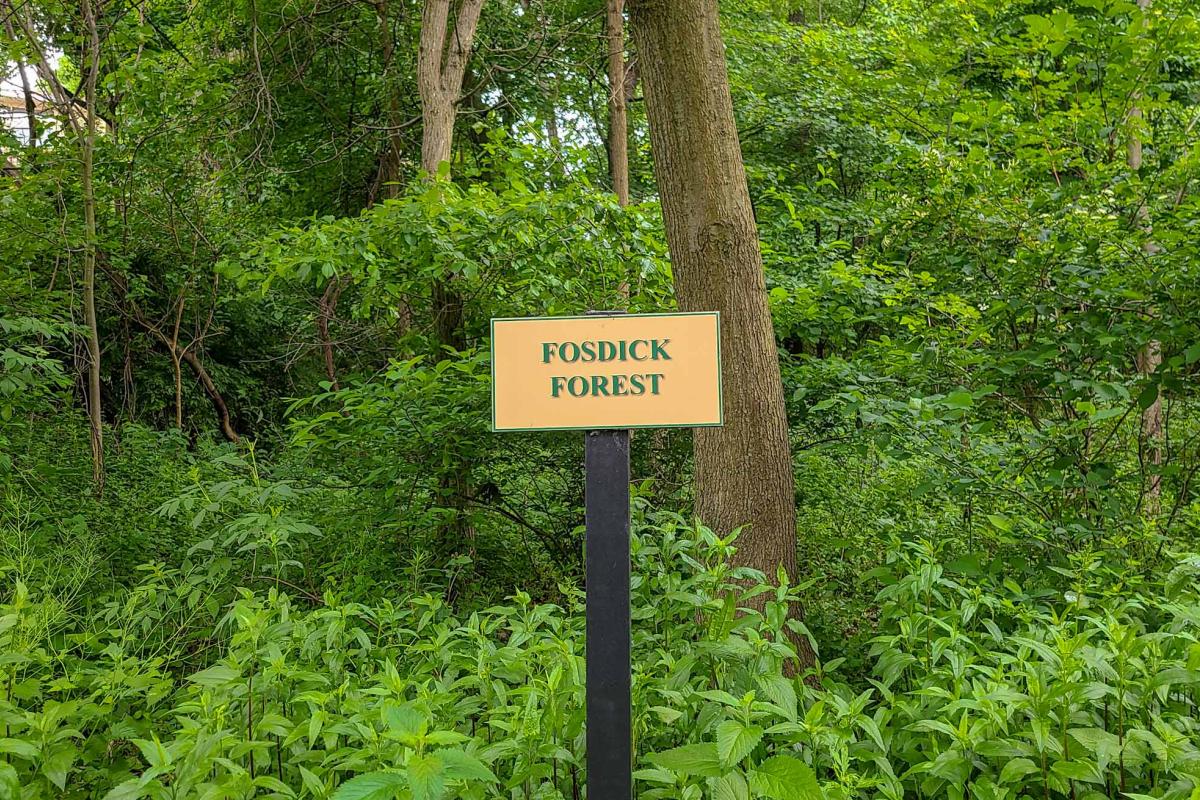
[[258, 538]]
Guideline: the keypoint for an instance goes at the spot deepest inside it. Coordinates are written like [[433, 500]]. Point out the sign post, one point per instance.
[[604, 374], [606, 497]]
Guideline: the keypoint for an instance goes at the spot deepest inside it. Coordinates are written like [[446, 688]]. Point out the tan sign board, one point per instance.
[[607, 371]]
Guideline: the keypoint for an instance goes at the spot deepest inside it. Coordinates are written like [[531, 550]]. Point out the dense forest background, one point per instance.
[[256, 538]]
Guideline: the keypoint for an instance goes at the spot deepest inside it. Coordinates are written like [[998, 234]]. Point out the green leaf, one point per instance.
[[1002, 522], [426, 777], [215, 676], [735, 741], [1075, 770], [154, 753], [274, 784], [19, 748], [314, 785], [464, 766], [57, 765], [780, 691], [691, 759], [729, 787], [1103, 745], [10, 785], [446, 737], [1148, 396], [127, 790], [785, 778], [959, 399], [405, 721], [371, 786], [1016, 769]]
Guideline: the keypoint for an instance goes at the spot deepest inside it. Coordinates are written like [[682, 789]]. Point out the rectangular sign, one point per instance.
[[607, 371]]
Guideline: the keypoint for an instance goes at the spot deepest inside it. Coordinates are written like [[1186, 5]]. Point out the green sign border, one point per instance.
[[720, 373]]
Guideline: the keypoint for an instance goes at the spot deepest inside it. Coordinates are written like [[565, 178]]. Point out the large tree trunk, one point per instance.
[[441, 63], [1149, 357], [743, 470]]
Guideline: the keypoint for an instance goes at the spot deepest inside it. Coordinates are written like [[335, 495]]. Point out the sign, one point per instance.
[[607, 371]]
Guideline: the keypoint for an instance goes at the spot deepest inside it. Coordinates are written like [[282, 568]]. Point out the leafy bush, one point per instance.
[[178, 688]]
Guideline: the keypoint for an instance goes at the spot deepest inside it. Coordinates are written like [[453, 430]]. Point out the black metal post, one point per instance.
[[609, 756]]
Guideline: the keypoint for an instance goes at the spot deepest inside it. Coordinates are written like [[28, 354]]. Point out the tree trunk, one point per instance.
[[618, 125], [26, 89], [325, 309], [87, 140], [743, 470], [214, 396], [177, 374], [1149, 357], [389, 169], [30, 113], [441, 63]]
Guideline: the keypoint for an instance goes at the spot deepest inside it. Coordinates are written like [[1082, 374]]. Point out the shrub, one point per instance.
[[1082, 687]]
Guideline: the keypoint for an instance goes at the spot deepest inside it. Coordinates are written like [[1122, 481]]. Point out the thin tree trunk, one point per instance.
[[325, 310], [176, 371], [389, 173], [30, 112], [88, 147], [85, 135], [177, 374], [1149, 357], [618, 125], [214, 395], [743, 470], [553, 137], [26, 89]]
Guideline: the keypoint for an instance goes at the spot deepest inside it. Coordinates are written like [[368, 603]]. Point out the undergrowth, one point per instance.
[[1084, 686]]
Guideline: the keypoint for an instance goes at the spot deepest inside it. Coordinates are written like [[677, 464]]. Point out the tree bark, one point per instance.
[[214, 395], [743, 470], [618, 125], [26, 89], [87, 141], [325, 310], [177, 373], [1149, 357], [30, 113], [389, 169], [441, 63]]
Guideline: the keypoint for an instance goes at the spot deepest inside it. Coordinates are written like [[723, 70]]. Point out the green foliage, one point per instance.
[[28, 372], [965, 269], [1077, 685]]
